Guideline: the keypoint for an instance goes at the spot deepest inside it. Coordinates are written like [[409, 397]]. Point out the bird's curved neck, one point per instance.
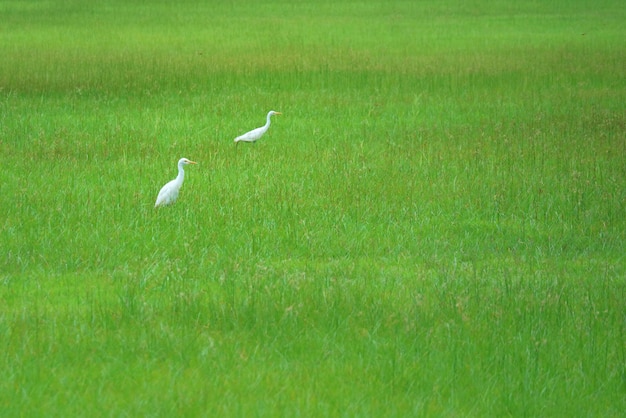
[[181, 173], [267, 122]]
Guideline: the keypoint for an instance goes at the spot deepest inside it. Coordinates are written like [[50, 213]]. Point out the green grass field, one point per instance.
[[435, 226]]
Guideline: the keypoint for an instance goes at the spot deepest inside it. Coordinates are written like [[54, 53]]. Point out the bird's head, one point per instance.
[[273, 112], [186, 161]]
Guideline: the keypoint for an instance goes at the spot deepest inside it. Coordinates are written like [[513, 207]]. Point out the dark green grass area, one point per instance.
[[434, 226], [319, 340]]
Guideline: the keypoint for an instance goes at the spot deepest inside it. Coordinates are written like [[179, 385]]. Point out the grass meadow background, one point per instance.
[[435, 226]]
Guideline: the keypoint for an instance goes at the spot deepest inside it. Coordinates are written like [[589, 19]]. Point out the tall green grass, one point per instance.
[[435, 226]]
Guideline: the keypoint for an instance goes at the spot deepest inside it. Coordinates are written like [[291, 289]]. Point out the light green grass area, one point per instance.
[[435, 226]]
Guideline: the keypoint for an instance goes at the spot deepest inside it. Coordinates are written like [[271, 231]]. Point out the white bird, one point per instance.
[[169, 192], [255, 134]]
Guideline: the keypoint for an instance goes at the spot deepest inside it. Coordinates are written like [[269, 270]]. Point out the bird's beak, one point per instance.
[[278, 113], [192, 162]]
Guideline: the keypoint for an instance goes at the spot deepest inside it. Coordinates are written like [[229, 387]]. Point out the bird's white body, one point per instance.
[[257, 133], [169, 193]]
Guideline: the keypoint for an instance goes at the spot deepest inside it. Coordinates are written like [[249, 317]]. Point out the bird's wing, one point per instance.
[[251, 136], [167, 194]]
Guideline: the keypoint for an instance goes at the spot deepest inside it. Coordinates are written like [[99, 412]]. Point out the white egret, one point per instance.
[[255, 134], [169, 192]]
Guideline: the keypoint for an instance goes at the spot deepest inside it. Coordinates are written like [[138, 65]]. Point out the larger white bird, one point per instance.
[[255, 134], [169, 193]]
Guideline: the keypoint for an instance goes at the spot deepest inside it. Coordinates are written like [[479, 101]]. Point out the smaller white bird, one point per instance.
[[169, 192], [255, 134]]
